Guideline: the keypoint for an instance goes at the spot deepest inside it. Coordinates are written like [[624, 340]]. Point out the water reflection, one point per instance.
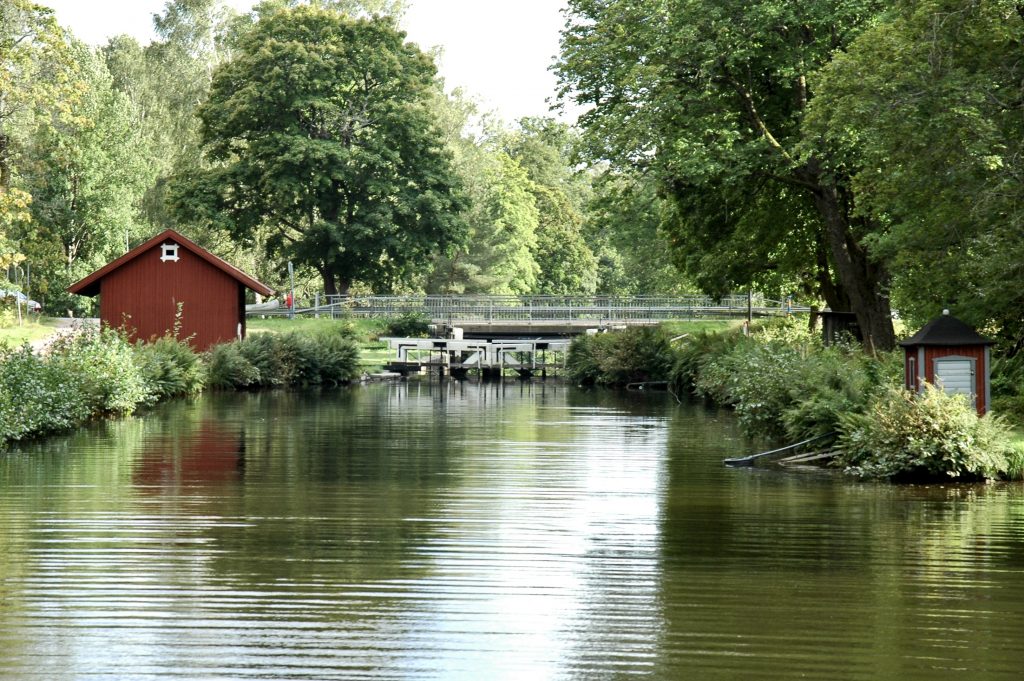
[[457, 530], [175, 463]]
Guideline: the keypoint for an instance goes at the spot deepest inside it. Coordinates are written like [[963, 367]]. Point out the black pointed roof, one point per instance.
[[946, 330]]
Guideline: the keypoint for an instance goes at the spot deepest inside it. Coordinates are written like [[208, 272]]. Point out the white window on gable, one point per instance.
[[169, 252]]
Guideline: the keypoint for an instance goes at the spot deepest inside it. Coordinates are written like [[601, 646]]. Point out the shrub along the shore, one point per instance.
[[99, 373], [931, 435], [267, 360], [785, 384]]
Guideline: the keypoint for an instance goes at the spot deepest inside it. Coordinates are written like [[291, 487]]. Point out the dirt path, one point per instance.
[[64, 327]]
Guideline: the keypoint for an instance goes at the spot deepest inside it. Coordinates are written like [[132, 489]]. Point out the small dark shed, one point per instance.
[[834, 325], [141, 291], [949, 353]]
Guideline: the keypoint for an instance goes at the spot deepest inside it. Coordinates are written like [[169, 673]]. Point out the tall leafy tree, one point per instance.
[[498, 255], [543, 147], [36, 75], [501, 217], [709, 97], [623, 225], [86, 176], [927, 108], [166, 81], [318, 129], [35, 71]]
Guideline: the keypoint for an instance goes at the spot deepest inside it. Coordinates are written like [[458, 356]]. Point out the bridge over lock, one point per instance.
[[539, 315]]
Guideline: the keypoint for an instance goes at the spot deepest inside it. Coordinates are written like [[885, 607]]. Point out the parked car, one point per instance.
[[32, 305]]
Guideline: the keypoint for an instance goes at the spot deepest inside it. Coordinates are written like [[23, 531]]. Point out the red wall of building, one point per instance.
[[142, 295], [931, 353]]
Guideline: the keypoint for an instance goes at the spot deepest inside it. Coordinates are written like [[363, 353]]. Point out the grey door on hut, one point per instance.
[[956, 375]]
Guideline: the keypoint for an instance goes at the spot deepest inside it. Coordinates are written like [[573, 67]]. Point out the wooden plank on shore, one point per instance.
[[807, 458]]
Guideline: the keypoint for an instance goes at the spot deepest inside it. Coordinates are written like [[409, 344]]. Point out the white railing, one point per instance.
[[494, 309]]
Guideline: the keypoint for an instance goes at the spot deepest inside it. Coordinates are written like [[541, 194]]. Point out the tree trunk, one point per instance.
[[864, 281], [5, 161], [833, 293], [329, 286], [334, 283]]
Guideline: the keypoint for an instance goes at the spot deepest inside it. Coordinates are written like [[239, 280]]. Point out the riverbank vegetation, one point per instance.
[[785, 384], [93, 374]]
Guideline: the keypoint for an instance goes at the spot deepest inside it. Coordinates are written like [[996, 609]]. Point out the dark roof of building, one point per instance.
[[90, 286], [946, 330]]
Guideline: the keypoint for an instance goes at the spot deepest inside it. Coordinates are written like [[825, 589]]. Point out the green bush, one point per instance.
[[7, 314], [1008, 384], [96, 373], [409, 325], [101, 364], [697, 353], [229, 369], [269, 360], [83, 376], [926, 435], [617, 358], [170, 368], [582, 361], [36, 397], [337, 357]]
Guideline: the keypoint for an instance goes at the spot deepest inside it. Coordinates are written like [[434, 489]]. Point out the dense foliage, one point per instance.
[[785, 385], [96, 373], [270, 360], [386, 183], [707, 98], [927, 435], [634, 355], [409, 325]]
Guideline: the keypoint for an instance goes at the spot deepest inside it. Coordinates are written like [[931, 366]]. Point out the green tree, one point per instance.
[[318, 129], [34, 71], [543, 147], [501, 216], [623, 225], [709, 98], [35, 76], [926, 108], [86, 175], [166, 81]]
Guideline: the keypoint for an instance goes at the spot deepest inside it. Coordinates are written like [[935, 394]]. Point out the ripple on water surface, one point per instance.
[[468, 532]]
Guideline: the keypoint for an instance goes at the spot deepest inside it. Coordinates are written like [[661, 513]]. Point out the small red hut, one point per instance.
[[141, 291], [951, 354]]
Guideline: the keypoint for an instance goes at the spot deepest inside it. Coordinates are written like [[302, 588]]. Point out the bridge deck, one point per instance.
[[576, 310]]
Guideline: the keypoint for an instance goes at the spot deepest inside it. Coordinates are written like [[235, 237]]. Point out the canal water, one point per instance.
[[464, 531]]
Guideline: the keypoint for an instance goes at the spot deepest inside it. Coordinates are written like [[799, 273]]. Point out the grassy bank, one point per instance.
[[34, 329], [784, 384]]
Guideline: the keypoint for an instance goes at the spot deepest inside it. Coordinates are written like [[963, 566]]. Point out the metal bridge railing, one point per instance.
[[486, 309]]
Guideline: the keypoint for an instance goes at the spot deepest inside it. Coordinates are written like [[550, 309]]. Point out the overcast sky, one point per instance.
[[497, 50]]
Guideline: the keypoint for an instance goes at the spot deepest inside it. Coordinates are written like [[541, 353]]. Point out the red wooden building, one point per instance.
[[949, 353], [141, 291]]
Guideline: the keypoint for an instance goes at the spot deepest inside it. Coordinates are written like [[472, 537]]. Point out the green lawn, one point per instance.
[[711, 326], [35, 329], [366, 329]]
